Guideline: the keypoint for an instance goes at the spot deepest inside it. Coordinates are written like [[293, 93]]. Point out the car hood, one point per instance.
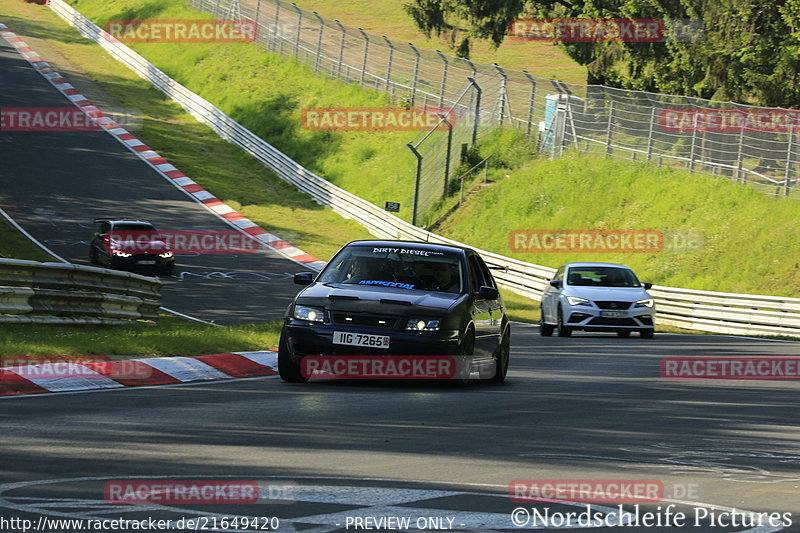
[[374, 298], [618, 294]]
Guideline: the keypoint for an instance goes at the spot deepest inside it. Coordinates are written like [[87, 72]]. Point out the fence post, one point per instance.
[[276, 32], [739, 175], [341, 50], [650, 133], [389, 65], [366, 52], [608, 133], [694, 141], [299, 28], [788, 162], [477, 111], [532, 103], [319, 40], [449, 148], [474, 72], [258, 11], [503, 94], [444, 79], [416, 184], [416, 75]]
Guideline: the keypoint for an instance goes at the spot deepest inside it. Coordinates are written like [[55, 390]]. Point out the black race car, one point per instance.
[[380, 297], [133, 245]]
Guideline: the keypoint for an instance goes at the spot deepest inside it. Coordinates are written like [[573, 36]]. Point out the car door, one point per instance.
[[496, 309], [481, 309]]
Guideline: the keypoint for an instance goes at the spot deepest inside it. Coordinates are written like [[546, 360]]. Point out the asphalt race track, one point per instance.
[[55, 183], [367, 456], [589, 407]]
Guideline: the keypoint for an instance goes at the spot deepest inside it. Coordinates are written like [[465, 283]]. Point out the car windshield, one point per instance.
[[602, 276], [401, 266], [133, 227]]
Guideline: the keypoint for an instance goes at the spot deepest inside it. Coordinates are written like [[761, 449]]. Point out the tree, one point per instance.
[[749, 50]]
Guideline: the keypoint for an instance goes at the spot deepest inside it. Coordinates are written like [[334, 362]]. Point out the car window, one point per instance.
[[602, 276], [476, 274], [400, 266], [488, 279], [105, 227]]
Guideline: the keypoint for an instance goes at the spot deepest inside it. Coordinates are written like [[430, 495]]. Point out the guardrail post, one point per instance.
[[389, 86], [299, 28], [276, 32], [449, 148], [444, 79], [416, 183], [788, 162], [650, 133], [477, 110], [319, 40], [366, 52], [416, 75], [532, 103], [608, 131], [341, 50]]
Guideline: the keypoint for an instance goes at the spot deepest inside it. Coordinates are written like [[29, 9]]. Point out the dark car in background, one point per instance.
[[133, 245], [380, 297]]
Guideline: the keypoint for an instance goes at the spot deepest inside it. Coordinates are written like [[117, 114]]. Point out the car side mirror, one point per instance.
[[647, 286], [488, 293], [303, 278], [556, 283]]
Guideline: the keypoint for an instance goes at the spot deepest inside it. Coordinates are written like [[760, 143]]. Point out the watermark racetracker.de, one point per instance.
[[593, 30], [604, 241]]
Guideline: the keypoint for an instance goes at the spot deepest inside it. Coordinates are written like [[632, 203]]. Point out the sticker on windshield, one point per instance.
[[386, 283], [405, 251]]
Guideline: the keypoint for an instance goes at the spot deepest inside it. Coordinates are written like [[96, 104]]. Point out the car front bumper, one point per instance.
[[303, 339], [594, 319]]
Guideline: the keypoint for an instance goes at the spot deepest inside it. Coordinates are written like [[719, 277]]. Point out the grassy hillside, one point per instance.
[[387, 17], [750, 241]]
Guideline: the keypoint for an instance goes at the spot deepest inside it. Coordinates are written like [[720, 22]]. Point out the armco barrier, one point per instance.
[[700, 310], [57, 293]]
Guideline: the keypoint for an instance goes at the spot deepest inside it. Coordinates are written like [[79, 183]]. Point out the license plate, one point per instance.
[[146, 262], [614, 314], [360, 339]]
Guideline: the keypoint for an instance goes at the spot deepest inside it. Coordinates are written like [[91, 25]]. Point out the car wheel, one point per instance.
[[502, 356], [287, 368], [647, 333], [623, 334], [545, 330], [563, 331]]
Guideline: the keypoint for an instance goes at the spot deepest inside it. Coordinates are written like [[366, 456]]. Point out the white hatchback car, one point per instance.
[[597, 297]]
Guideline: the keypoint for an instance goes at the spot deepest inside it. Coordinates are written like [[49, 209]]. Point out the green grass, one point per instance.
[[171, 337], [751, 242], [387, 17], [14, 245], [222, 168]]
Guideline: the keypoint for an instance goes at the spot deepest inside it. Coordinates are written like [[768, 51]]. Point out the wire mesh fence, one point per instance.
[[749, 144]]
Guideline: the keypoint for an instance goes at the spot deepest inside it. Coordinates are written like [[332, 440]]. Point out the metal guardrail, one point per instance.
[[58, 293], [700, 310]]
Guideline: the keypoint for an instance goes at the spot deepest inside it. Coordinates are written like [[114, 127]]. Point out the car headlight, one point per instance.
[[120, 253], [312, 314], [423, 324], [165, 255], [647, 302], [576, 300]]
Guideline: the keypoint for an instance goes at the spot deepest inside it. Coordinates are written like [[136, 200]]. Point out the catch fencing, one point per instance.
[[58, 293], [749, 144]]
